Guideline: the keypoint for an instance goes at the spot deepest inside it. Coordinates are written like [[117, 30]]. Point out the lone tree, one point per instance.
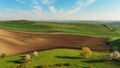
[[115, 55], [35, 53], [27, 57], [86, 52]]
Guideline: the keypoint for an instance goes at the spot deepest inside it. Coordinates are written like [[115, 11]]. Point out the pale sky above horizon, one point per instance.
[[59, 9]]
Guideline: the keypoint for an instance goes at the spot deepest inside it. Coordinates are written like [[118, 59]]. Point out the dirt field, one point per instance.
[[14, 43]]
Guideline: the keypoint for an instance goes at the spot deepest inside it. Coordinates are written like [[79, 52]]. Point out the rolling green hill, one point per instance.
[[58, 56], [62, 27]]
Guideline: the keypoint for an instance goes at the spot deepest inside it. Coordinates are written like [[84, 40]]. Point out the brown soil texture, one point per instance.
[[14, 43]]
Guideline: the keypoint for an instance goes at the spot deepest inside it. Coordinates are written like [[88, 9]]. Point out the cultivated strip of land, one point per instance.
[[14, 43]]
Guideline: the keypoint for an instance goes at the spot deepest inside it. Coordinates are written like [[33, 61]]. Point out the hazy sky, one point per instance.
[[60, 9]]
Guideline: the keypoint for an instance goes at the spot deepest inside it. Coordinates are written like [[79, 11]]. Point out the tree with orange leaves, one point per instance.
[[86, 52]]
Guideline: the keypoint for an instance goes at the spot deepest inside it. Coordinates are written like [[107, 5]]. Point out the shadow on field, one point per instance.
[[95, 61], [69, 57], [116, 63], [15, 61]]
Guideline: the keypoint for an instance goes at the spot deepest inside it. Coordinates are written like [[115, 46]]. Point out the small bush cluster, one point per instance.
[[28, 57]]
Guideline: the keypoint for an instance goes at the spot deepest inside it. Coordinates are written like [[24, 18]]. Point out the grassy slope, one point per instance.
[[67, 56], [47, 27]]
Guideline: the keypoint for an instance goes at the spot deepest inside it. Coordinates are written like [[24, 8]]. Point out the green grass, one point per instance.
[[52, 27], [57, 56]]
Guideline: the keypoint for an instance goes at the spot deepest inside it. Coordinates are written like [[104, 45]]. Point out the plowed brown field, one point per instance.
[[14, 43]]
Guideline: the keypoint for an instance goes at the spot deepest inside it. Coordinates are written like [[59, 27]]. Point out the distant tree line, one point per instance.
[[109, 27]]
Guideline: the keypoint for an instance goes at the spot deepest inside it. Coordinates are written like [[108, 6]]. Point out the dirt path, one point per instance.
[[14, 43]]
